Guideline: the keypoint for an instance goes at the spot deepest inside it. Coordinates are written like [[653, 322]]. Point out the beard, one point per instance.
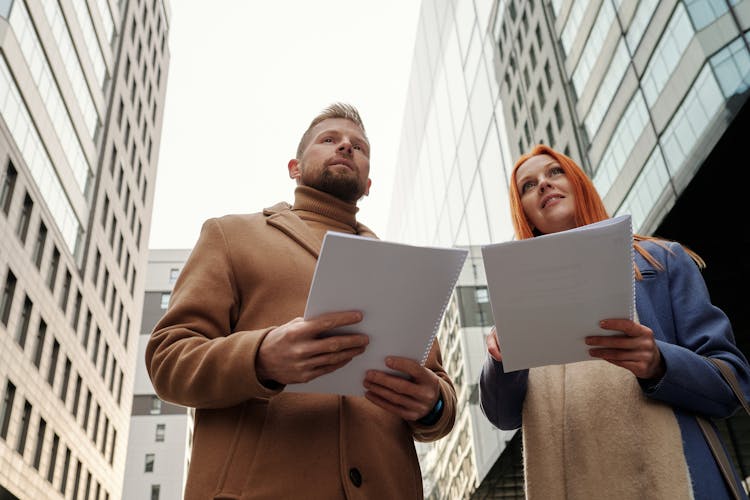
[[345, 186]]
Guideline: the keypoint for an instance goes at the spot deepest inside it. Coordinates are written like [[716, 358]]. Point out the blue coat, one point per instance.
[[675, 304]]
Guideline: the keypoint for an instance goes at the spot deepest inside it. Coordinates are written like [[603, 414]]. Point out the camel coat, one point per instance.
[[246, 275]]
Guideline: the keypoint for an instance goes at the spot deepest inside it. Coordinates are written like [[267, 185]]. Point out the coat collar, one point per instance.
[[282, 218]]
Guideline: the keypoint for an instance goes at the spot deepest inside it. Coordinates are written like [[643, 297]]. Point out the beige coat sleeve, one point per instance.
[[444, 425], [193, 357]]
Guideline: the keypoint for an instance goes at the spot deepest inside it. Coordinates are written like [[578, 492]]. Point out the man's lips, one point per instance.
[[340, 161]]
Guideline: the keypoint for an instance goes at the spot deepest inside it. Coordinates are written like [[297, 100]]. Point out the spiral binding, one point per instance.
[[633, 313], [442, 311]]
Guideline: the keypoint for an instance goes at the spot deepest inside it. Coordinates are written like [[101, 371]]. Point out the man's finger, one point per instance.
[[392, 382], [405, 365]]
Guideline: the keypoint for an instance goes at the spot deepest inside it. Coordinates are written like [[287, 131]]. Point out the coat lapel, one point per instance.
[[281, 217]]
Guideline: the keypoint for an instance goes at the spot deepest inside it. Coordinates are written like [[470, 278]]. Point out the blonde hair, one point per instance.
[[335, 110], [589, 207]]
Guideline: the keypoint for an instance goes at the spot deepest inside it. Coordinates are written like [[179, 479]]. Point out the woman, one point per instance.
[[622, 427]]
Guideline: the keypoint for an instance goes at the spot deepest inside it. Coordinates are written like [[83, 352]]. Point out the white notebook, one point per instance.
[[548, 293], [402, 291]]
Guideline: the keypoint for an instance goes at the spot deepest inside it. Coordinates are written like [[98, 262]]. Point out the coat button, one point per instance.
[[355, 476]]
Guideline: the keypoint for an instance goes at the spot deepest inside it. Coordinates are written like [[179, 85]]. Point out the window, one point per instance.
[[66, 467], [77, 480], [24, 430], [155, 405], [160, 429], [105, 285], [23, 322], [149, 465], [53, 363], [53, 266], [9, 185], [76, 396], [97, 343], [86, 410], [6, 301], [97, 416], [105, 212], [66, 380], [548, 74], [40, 432], [538, 33], [95, 269], [540, 95], [7, 408], [41, 333], [119, 387], [86, 331], [550, 134], [558, 116], [534, 116], [532, 57], [105, 359], [105, 435], [165, 299], [173, 274], [112, 448], [65, 292], [155, 491], [53, 458], [41, 241], [23, 219]]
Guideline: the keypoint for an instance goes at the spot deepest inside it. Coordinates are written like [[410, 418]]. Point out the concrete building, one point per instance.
[[82, 88], [649, 97], [161, 433]]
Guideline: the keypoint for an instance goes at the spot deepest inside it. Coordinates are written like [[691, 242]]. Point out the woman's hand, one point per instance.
[[636, 350], [493, 347]]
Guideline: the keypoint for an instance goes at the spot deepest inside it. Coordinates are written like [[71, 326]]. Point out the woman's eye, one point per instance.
[[556, 170], [526, 186]]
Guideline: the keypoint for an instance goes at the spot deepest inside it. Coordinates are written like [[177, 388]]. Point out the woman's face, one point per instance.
[[546, 194]]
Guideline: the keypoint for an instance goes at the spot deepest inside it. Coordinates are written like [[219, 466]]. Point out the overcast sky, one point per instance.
[[246, 78]]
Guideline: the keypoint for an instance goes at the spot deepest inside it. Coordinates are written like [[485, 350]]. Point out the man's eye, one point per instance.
[[328, 139], [357, 146]]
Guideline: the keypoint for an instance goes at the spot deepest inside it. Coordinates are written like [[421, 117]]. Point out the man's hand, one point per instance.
[[493, 347], [636, 350], [410, 399], [293, 353]]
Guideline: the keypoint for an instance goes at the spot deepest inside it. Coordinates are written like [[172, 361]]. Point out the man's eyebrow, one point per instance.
[[337, 132]]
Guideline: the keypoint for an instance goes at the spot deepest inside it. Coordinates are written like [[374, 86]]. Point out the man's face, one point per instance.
[[336, 160]]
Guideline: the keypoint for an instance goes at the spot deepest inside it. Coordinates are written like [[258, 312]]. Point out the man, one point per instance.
[[233, 338]]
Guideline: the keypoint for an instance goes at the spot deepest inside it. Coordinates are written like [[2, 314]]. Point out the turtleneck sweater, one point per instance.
[[323, 212]]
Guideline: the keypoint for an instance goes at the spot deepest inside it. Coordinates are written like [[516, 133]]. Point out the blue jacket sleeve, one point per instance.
[[502, 394], [701, 329]]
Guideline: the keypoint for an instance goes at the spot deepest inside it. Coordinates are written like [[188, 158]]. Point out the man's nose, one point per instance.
[[345, 146]]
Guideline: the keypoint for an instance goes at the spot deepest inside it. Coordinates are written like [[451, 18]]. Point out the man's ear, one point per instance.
[[367, 189], [294, 170]]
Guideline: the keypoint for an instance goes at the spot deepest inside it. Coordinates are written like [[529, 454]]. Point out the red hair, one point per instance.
[[589, 207]]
